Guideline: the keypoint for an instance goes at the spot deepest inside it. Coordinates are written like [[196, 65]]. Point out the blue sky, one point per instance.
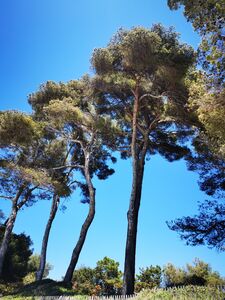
[[53, 40]]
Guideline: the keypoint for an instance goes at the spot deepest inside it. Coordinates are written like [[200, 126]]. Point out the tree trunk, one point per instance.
[[11, 221], [87, 223], [138, 162], [54, 208], [6, 238], [132, 218]]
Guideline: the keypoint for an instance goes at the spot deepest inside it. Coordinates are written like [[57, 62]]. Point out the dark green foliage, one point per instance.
[[207, 158], [16, 261], [210, 167], [84, 281], [148, 278], [108, 276], [205, 228], [207, 17]]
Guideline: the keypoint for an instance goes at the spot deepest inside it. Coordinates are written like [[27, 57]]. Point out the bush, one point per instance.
[[15, 265], [104, 279], [149, 277], [199, 273]]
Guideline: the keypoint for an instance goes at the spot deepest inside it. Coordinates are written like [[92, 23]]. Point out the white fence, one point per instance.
[[119, 297]]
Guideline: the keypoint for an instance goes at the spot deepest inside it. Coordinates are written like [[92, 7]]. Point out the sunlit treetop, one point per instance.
[[150, 64]]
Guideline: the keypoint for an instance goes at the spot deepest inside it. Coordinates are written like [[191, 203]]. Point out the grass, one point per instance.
[[49, 287], [45, 287], [183, 293]]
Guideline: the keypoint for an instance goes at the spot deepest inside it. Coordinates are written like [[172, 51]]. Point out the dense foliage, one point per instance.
[[104, 279], [205, 228], [16, 265], [148, 278], [207, 17], [198, 273]]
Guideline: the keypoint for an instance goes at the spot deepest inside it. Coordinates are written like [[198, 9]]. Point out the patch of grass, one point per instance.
[[45, 287], [183, 293], [49, 287], [9, 288]]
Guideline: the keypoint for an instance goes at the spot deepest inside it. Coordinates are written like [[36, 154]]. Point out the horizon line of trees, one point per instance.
[[146, 97], [106, 277]]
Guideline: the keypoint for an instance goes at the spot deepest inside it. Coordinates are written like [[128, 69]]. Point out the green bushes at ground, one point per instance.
[[183, 293]]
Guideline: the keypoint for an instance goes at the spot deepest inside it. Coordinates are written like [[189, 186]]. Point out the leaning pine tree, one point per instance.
[[140, 82], [23, 177], [71, 117]]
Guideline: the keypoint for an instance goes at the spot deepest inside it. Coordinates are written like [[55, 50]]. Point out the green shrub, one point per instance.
[[183, 293]]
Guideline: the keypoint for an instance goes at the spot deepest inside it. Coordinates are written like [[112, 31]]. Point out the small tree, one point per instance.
[[199, 273], [33, 266], [16, 261], [84, 282], [149, 278], [25, 167], [174, 276], [18, 179], [108, 276], [104, 279]]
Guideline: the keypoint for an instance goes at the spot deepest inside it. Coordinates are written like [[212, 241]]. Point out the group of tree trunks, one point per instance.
[[145, 98]]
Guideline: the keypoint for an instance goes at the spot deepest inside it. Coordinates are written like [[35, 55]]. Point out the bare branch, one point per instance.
[[150, 95], [26, 197], [68, 166], [6, 197], [157, 118]]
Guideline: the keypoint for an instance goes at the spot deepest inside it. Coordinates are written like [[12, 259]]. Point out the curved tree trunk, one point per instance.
[[87, 223], [11, 221], [9, 228], [54, 208], [7, 235]]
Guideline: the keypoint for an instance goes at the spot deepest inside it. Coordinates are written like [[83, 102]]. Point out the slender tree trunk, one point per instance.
[[11, 221], [130, 252], [8, 231], [54, 208], [138, 162], [87, 223]]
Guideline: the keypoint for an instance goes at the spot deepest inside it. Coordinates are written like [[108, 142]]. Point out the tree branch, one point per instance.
[[6, 197], [151, 95], [68, 166], [26, 197]]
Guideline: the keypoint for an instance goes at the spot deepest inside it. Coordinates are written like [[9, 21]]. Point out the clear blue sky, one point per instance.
[[53, 40]]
